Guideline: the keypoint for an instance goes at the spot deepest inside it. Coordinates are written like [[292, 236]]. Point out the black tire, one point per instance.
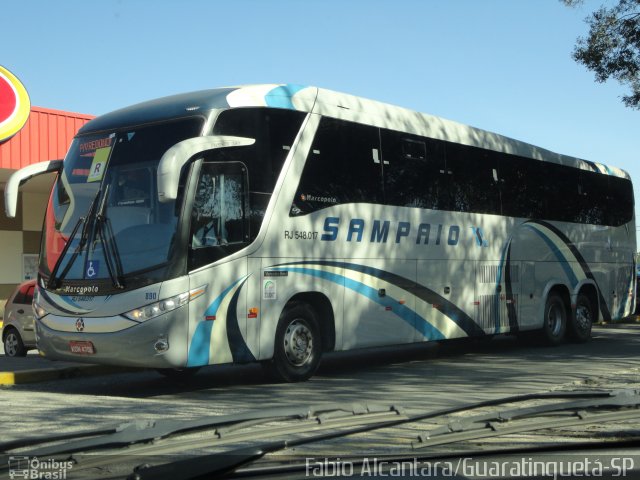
[[13, 344], [579, 328], [554, 321], [298, 344], [178, 373]]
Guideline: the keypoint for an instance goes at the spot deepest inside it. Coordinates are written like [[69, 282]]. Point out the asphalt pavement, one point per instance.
[[34, 368]]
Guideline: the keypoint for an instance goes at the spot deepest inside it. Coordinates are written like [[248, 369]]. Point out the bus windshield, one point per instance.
[[104, 202]]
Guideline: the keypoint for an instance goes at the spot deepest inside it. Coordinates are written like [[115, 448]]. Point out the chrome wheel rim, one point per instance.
[[298, 343], [11, 345], [583, 317], [554, 320]]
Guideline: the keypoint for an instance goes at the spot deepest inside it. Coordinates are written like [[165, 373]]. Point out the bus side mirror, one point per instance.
[[20, 177], [183, 152]]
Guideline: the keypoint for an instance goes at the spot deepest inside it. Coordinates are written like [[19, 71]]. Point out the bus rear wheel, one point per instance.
[[579, 328], [298, 344], [555, 320]]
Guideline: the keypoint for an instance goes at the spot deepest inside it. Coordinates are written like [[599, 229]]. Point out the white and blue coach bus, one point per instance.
[[273, 223]]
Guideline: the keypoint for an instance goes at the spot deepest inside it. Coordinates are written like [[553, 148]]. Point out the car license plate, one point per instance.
[[82, 348]]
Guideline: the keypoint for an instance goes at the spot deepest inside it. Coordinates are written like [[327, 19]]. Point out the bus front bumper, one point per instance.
[[160, 342]]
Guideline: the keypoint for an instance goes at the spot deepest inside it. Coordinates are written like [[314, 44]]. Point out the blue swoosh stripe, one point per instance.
[[604, 309], [280, 97], [199, 349], [240, 351], [201, 340], [561, 258], [447, 308], [425, 328]]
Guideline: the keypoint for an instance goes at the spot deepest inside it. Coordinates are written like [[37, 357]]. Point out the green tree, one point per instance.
[[612, 48]]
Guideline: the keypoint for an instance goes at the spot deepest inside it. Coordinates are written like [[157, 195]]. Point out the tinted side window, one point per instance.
[[28, 297], [274, 131], [562, 189], [19, 298], [347, 165], [524, 186], [413, 170], [24, 296], [544, 190], [343, 166], [473, 182], [591, 202], [540, 190], [620, 201]]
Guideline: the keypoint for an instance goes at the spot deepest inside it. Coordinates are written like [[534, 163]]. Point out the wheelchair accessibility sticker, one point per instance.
[[92, 268]]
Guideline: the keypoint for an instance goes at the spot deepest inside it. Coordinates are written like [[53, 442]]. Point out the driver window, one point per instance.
[[218, 216]]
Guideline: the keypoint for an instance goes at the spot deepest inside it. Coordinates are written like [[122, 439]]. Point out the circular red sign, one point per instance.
[[7, 99], [15, 105]]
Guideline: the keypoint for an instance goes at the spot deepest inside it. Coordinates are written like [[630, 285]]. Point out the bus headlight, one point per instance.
[[158, 308]]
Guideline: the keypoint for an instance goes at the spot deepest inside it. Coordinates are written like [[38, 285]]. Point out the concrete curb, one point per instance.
[[47, 374]]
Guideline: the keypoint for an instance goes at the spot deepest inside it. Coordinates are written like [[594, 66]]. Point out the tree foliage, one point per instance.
[[612, 48]]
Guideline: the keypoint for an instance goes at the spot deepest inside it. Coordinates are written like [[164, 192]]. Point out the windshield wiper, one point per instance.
[[109, 246], [54, 282]]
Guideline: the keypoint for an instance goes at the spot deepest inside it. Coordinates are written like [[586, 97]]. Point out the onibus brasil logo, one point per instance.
[[34, 468], [14, 105]]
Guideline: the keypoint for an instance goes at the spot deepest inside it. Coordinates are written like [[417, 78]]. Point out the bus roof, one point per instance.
[[336, 105]]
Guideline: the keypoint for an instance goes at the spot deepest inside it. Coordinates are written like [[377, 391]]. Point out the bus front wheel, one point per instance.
[[555, 320], [298, 344]]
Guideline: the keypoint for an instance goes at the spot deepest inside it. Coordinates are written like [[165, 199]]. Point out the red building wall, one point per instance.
[[46, 136]]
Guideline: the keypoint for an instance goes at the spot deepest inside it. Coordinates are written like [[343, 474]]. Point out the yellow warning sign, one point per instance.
[[99, 164]]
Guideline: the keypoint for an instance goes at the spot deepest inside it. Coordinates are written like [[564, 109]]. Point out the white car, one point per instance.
[[18, 331]]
